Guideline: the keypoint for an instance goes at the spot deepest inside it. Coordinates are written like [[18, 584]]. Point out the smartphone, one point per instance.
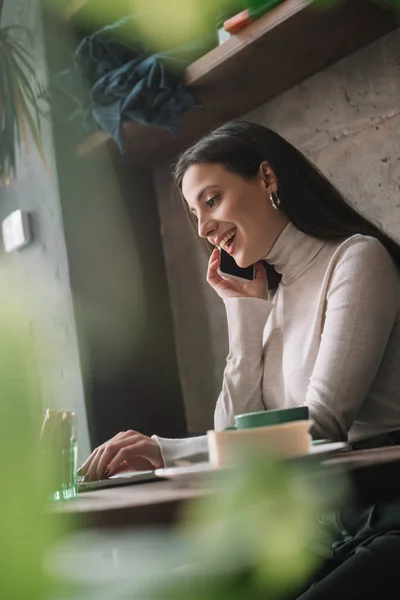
[[229, 267]]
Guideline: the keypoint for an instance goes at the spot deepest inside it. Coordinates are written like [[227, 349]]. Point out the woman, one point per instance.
[[319, 326]]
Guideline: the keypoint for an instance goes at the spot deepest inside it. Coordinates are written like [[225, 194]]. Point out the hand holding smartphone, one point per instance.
[[228, 267], [231, 281]]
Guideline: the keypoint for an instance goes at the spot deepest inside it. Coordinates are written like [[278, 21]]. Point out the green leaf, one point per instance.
[[34, 130], [25, 81], [19, 110], [8, 120]]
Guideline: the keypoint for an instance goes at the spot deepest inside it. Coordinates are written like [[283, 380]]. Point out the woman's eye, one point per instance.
[[211, 201]]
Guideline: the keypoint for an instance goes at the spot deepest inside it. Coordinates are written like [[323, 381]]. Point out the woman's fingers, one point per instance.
[[83, 470], [137, 464], [141, 447], [89, 461], [92, 470], [112, 456], [213, 277], [228, 287], [214, 259], [110, 449]]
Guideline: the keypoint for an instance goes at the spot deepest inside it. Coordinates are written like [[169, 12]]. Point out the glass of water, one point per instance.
[[59, 452]]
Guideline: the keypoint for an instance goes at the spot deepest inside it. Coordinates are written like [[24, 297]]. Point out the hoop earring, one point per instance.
[[275, 200]]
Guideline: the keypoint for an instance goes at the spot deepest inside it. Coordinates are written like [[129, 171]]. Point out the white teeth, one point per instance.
[[228, 237]]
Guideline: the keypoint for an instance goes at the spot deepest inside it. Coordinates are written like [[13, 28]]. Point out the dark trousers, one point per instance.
[[372, 572], [365, 561]]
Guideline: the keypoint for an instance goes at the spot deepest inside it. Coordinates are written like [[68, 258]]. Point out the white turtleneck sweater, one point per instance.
[[328, 338]]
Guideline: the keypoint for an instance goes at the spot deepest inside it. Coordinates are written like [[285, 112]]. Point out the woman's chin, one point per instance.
[[242, 262], [242, 259], [245, 264]]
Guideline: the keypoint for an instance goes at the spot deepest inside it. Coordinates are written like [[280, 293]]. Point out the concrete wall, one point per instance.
[[38, 275], [347, 120]]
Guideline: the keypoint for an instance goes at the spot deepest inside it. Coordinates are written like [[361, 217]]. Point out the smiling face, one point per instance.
[[232, 212]]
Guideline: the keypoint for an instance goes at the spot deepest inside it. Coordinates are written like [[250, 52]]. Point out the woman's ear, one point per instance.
[[268, 177]]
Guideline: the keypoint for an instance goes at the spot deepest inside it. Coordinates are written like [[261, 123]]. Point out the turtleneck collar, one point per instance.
[[292, 252]]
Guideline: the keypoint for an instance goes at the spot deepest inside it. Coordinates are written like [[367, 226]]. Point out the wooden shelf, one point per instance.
[[278, 51]]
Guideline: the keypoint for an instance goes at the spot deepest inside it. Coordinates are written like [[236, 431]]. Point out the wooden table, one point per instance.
[[138, 504], [374, 475]]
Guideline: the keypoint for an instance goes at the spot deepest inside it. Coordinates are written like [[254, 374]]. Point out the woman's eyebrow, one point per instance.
[[203, 191]]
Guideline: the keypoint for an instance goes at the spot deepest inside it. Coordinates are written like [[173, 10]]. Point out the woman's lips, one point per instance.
[[230, 249]]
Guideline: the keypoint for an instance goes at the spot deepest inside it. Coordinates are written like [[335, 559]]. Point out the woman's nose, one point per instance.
[[205, 227]]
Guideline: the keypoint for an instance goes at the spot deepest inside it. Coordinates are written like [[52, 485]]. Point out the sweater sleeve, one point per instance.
[[192, 449], [241, 387], [362, 307]]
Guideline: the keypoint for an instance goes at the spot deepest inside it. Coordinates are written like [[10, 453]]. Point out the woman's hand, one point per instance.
[[226, 287], [127, 451]]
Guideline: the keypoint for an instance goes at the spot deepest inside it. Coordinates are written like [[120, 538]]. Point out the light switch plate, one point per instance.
[[16, 230]]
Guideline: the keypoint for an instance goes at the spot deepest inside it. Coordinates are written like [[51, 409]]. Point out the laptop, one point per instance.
[[127, 478]]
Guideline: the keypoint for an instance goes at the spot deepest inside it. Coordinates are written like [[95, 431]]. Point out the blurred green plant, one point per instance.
[[262, 524], [172, 20], [25, 529], [19, 103], [158, 24], [255, 534]]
